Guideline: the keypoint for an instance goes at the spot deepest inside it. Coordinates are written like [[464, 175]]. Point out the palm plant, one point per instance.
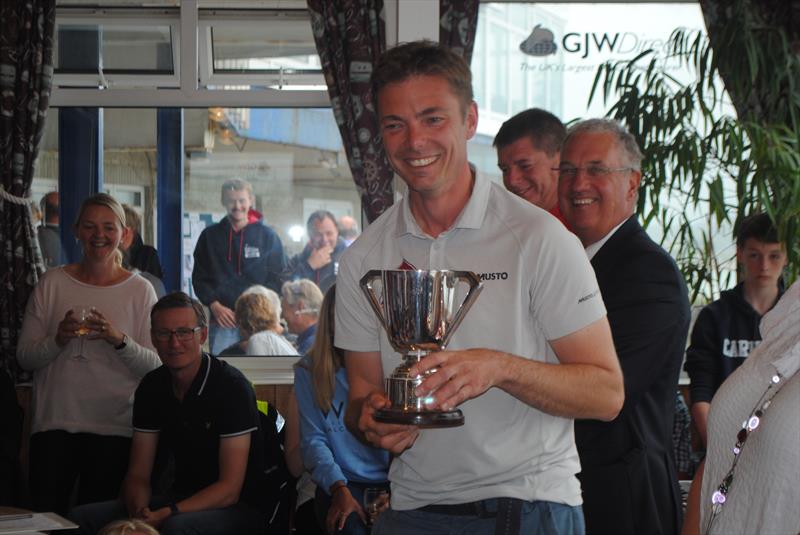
[[709, 159]]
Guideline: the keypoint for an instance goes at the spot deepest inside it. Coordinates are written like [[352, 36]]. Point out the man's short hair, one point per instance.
[[424, 58], [49, 208], [236, 184], [132, 219], [544, 129], [758, 227], [624, 138], [348, 231], [305, 290], [180, 300], [320, 215]]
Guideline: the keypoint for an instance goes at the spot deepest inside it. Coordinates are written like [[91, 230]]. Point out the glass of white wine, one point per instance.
[[375, 501], [81, 313]]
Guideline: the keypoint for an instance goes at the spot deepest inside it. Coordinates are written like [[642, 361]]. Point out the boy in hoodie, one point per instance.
[[727, 330], [231, 256]]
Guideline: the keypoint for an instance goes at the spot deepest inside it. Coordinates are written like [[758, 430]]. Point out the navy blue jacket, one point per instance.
[[325, 276], [227, 262], [628, 476], [723, 336]]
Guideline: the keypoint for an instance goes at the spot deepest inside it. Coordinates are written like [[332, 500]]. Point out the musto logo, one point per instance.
[[539, 43], [500, 276]]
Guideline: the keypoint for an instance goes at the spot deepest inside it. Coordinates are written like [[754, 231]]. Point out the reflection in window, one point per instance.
[[293, 158], [122, 48]]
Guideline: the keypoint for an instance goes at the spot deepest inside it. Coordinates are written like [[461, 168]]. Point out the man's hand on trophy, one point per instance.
[[461, 375], [395, 438]]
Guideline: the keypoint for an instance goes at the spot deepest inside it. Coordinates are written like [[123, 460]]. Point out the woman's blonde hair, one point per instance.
[[255, 313], [106, 200], [326, 359], [128, 527]]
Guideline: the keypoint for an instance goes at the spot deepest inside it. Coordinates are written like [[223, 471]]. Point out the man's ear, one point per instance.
[[634, 182], [203, 335], [471, 119]]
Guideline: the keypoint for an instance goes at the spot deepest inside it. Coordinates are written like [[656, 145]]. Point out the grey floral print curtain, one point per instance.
[[26, 72], [350, 37], [458, 23]]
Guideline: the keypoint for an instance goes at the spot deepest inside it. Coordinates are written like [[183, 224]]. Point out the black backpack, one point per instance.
[[276, 473]]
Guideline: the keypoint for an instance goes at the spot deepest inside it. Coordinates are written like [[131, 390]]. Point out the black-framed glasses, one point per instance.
[[184, 334], [594, 171]]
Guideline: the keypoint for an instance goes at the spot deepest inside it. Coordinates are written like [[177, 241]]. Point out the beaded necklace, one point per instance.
[[752, 422]]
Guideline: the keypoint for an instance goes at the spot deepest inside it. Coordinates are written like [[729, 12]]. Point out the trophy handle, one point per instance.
[[475, 288], [366, 287]]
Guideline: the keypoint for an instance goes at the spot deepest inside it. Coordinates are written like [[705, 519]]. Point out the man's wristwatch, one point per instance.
[[123, 343], [173, 508]]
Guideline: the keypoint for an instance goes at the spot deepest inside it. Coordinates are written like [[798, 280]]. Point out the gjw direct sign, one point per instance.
[[542, 42]]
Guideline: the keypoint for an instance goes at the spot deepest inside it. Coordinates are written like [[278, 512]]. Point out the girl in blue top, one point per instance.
[[340, 465]]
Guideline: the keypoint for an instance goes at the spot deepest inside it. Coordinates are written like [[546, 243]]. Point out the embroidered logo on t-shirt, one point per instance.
[[251, 252], [407, 266], [587, 297]]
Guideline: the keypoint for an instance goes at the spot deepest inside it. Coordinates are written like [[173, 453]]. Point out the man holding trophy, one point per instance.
[[482, 432]]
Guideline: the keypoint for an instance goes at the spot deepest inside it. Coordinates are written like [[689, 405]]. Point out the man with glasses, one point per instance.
[[203, 412], [300, 304], [628, 472]]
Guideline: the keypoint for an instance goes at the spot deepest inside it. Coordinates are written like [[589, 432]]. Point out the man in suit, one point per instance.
[[628, 472]]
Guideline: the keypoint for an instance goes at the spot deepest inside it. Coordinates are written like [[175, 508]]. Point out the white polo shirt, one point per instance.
[[538, 286]]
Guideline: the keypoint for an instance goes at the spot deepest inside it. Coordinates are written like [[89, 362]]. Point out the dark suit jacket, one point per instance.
[[628, 473]]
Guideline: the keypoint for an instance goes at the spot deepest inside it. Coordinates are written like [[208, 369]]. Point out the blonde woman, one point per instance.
[[259, 326], [85, 370], [129, 527], [340, 465]]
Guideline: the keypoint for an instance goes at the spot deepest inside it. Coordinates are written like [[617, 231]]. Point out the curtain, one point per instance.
[[755, 29], [26, 73], [458, 23], [350, 37]]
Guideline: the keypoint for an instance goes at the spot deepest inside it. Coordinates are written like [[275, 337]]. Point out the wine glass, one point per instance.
[[81, 313], [375, 501]]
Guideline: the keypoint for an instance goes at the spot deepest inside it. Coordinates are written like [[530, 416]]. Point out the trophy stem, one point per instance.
[[414, 356], [407, 407]]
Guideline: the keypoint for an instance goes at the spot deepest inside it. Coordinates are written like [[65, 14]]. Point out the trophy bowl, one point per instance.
[[420, 310]]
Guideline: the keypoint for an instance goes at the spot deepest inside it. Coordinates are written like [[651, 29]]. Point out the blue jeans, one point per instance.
[[239, 518], [353, 525], [219, 338], [538, 518]]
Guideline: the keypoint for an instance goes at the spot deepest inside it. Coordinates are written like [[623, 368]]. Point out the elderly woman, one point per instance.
[[259, 326], [301, 300], [748, 480], [86, 361]]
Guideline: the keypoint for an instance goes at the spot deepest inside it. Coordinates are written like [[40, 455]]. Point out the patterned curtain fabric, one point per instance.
[[350, 37], [26, 73], [458, 23], [729, 23]]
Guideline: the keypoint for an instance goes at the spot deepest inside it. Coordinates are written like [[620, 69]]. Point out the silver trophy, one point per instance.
[[420, 311]]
